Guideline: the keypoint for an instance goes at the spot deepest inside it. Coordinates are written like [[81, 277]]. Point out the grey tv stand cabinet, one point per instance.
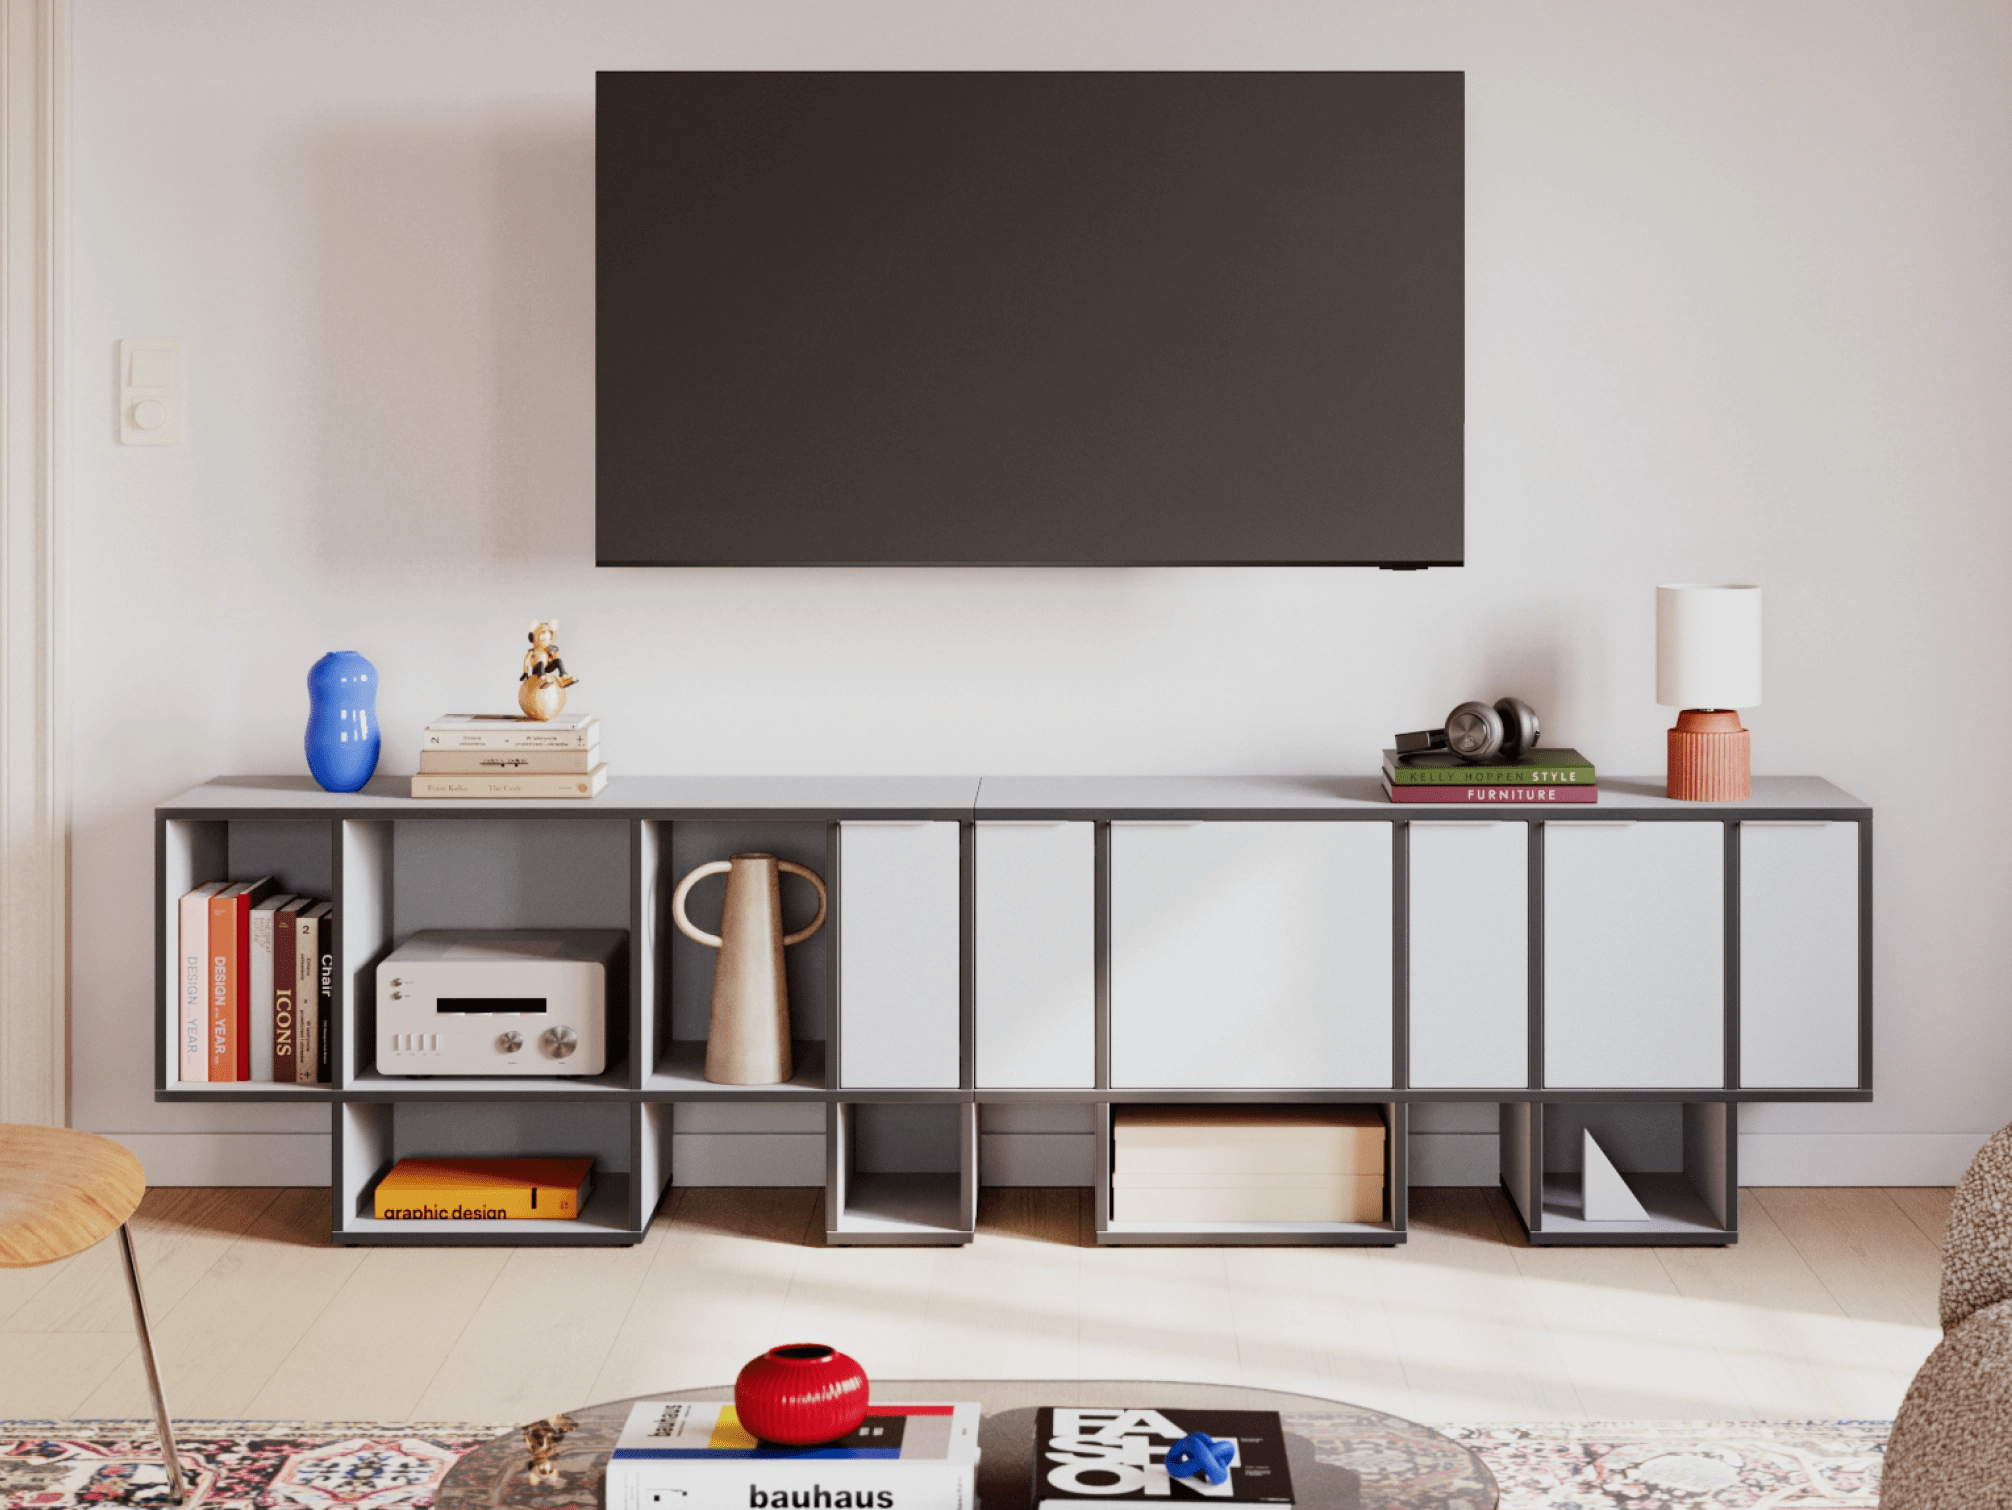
[[1638, 967]]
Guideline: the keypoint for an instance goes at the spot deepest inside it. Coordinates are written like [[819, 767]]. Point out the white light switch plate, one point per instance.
[[150, 392]]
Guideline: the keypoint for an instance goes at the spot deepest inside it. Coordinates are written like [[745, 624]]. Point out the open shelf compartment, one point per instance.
[[1387, 1232], [901, 1173], [676, 972], [398, 878], [1679, 1158], [630, 1143], [298, 854]]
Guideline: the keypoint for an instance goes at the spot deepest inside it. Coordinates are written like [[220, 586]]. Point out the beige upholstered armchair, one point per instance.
[[1952, 1445]]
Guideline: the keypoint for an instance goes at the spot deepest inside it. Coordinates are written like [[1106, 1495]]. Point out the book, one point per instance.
[[509, 762], [484, 1190], [230, 939], [1491, 794], [589, 785], [511, 731], [678, 1455], [259, 1020], [285, 1019], [1085, 1456], [308, 927], [1247, 1198], [1247, 1140], [192, 983], [1563, 767], [318, 988]]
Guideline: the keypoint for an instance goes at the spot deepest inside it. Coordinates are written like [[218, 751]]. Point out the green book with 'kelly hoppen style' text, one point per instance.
[[1442, 768]]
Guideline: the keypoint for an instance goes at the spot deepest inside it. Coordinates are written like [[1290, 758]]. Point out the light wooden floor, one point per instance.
[[1824, 1309]]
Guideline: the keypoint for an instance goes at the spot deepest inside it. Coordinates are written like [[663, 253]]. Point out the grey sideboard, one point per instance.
[[1638, 967]]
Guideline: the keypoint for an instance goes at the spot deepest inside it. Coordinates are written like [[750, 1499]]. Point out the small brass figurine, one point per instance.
[[541, 690], [544, 1438]]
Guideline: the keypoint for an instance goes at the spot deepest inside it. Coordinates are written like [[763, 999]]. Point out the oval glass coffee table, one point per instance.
[[1342, 1456]]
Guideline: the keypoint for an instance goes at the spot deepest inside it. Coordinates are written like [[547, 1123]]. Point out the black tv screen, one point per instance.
[[1029, 318]]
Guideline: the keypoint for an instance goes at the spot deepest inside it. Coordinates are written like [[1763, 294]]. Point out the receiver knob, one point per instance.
[[560, 1042], [510, 1042]]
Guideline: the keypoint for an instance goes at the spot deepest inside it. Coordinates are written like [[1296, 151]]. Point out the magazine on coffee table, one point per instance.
[[1087, 1455]]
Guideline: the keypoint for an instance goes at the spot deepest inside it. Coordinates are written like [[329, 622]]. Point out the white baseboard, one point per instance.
[[296, 1159], [1856, 1158], [1037, 1159], [1440, 1159], [1437, 1159], [747, 1158]]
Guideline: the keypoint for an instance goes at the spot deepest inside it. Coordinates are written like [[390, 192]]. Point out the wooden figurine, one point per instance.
[[541, 690]]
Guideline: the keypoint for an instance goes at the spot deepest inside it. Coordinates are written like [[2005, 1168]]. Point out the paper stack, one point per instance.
[[1247, 1164]]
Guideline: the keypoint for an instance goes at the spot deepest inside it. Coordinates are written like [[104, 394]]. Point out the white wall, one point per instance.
[[1738, 286]]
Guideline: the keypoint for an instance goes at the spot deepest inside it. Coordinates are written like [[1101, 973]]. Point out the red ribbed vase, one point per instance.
[[802, 1393], [1710, 758]]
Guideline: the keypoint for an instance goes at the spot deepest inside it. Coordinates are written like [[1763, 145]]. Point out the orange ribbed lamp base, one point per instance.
[[1710, 758]]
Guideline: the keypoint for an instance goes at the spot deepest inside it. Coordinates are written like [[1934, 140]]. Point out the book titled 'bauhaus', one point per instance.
[[679, 1455]]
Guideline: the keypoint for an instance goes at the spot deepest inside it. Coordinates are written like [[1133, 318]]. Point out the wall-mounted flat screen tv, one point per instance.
[[1029, 318]]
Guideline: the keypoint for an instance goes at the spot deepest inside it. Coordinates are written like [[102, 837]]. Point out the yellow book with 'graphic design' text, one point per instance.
[[484, 1190]]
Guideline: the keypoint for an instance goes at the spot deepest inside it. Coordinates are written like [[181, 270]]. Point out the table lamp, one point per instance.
[[1708, 663]]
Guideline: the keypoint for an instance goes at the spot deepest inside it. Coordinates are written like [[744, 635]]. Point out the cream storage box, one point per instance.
[[515, 1002]]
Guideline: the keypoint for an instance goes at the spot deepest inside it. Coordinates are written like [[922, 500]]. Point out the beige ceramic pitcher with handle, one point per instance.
[[747, 1039]]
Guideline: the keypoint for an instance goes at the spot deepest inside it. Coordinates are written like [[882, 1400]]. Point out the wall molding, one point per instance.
[[34, 731]]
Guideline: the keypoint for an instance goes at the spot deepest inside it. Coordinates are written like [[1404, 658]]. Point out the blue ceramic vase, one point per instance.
[[342, 737]]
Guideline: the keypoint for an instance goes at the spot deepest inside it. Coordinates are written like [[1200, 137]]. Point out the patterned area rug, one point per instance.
[[1661, 1465], [1616, 1465]]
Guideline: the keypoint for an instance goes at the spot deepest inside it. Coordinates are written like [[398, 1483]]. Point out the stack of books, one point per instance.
[[1247, 1164], [509, 755], [678, 1455], [484, 1190], [255, 978], [1534, 776]]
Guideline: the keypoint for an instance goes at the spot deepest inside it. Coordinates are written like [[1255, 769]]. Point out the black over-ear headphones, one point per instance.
[[1478, 731]]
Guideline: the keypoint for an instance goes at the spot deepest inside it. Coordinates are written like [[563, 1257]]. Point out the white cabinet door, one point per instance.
[[898, 920], [1470, 953], [1250, 954], [1036, 960], [1798, 954], [1634, 954]]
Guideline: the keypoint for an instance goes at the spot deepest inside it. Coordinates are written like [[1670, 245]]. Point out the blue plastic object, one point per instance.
[[342, 739], [1198, 1452]]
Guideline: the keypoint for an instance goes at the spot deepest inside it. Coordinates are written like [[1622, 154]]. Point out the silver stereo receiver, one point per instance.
[[522, 1001]]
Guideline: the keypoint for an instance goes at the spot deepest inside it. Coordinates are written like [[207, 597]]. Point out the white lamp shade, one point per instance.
[[1708, 645]]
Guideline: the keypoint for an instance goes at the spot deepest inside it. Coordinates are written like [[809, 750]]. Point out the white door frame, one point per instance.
[[34, 723]]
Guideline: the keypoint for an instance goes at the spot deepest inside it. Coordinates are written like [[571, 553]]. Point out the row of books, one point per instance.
[[1534, 776], [1247, 1164], [256, 981], [509, 755], [924, 1456]]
